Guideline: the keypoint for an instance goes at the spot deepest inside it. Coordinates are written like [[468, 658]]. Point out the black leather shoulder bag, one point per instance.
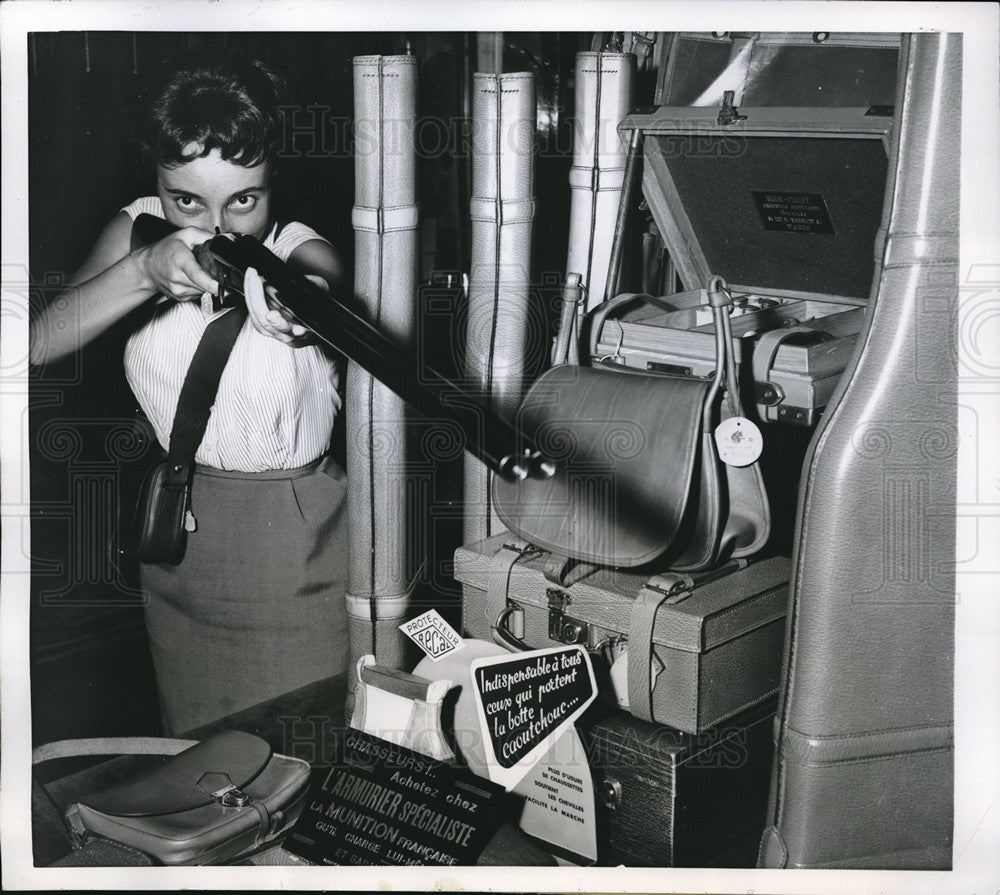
[[163, 511]]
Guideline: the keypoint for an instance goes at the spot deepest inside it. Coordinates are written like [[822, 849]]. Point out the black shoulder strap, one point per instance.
[[201, 384]]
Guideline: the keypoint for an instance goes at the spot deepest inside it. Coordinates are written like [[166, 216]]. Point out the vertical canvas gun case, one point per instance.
[[785, 204], [695, 649]]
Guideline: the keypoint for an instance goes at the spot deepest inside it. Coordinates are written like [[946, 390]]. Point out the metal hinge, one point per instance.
[[729, 114]]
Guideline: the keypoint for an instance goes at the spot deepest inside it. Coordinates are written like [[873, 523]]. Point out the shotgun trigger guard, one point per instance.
[[229, 276]]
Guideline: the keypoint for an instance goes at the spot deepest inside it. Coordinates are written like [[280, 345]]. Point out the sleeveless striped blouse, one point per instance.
[[276, 405]]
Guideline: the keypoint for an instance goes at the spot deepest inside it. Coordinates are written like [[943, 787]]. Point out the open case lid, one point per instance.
[[784, 203], [817, 68]]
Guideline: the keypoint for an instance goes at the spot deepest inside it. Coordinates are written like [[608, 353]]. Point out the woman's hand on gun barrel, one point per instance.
[[270, 320]]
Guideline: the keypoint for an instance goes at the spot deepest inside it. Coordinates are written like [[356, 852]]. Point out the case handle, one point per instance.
[[595, 320], [768, 393], [503, 636]]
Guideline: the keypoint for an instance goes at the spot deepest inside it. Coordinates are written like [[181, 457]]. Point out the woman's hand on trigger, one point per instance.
[[172, 268], [273, 321]]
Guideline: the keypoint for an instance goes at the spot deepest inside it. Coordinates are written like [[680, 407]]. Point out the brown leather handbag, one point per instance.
[[639, 478]]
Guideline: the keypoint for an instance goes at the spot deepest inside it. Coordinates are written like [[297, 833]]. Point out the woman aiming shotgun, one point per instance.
[[256, 606]]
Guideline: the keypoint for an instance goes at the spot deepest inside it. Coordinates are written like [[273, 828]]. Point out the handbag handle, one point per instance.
[[720, 301], [596, 319], [566, 349]]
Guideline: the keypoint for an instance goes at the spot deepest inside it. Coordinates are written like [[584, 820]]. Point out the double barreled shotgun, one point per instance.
[[492, 439]]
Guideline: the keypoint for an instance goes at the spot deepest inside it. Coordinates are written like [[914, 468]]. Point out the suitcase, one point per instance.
[[670, 799], [785, 205], [686, 651]]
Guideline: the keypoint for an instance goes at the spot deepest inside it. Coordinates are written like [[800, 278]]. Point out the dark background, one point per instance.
[[91, 673]]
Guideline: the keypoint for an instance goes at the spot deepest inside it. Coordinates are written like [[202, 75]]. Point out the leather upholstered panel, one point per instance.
[[603, 98], [502, 210], [385, 225], [864, 766]]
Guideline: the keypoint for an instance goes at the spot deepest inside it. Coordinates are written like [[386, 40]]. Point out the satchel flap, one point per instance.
[[626, 446], [229, 759]]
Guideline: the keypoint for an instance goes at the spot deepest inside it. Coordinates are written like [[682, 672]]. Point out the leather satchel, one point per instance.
[[639, 477], [163, 514], [213, 802], [158, 526]]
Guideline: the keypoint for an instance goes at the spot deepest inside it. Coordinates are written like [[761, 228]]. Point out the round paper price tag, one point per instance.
[[739, 441]]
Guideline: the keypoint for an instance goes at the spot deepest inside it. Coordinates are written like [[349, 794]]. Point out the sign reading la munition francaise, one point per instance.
[[379, 803]]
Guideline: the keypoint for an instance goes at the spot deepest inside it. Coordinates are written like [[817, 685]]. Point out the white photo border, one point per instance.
[[977, 667]]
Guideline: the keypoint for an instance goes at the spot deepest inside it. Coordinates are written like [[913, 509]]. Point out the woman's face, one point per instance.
[[209, 192]]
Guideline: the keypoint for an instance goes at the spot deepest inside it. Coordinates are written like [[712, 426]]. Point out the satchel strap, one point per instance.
[[669, 587], [109, 746], [764, 353], [720, 301], [201, 384]]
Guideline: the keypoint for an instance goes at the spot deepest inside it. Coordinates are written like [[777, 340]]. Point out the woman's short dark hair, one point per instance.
[[219, 99]]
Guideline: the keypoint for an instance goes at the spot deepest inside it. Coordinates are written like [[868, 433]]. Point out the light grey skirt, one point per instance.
[[257, 606]]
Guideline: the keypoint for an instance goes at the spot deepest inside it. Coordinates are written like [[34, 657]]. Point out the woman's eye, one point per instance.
[[244, 203], [186, 203]]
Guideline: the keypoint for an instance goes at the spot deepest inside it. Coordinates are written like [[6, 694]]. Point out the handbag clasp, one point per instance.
[[220, 787], [235, 798]]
